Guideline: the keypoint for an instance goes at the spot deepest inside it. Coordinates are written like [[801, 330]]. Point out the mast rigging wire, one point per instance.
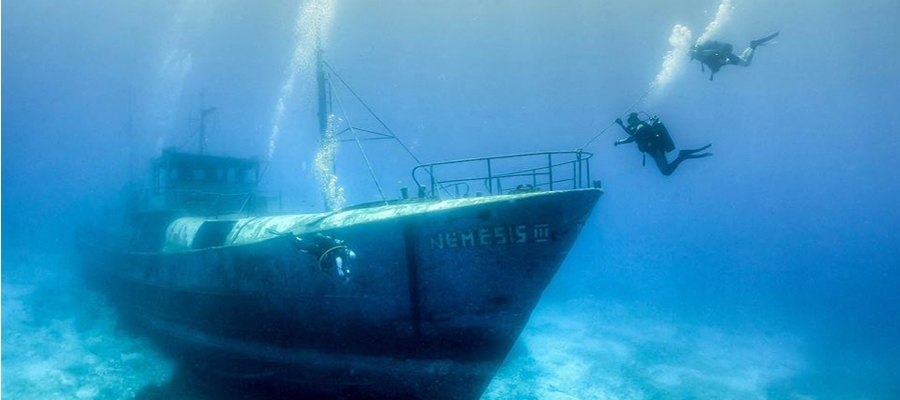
[[369, 109], [340, 102]]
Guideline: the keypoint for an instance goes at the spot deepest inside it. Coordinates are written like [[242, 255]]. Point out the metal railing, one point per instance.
[[506, 174]]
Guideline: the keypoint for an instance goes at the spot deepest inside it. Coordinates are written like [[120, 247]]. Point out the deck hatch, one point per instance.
[[212, 234]]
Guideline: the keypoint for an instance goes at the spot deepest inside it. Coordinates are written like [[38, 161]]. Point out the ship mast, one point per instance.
[[131, 140], [324, 95], [324, 113], [204, 112]]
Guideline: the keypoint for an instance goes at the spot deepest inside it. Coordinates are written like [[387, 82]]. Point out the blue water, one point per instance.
[[769, 270]]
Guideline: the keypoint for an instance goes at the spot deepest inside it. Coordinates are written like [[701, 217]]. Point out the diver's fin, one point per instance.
[[684, 155], [687, 153], [758, 42]]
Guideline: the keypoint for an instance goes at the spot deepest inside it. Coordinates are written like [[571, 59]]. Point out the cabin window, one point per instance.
[[173, 174], [156, 179], [247, 176], [198, 174], [212, 234], [232, 175]]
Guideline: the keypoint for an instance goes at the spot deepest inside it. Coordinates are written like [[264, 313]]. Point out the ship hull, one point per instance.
[[435, 302]]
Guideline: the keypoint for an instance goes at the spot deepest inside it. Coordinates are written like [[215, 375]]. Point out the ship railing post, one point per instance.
[[576, 170], [433, 182], [490, 178], [587, 163], [578, 184], [550, 169]]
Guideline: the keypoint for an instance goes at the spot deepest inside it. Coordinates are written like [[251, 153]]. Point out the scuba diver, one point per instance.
[[715, 54], [653, 138], [332, 254]]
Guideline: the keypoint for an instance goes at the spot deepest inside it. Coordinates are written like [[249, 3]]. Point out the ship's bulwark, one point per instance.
[[435, 300]]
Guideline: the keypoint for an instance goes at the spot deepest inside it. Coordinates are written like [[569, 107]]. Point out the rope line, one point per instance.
[[325, 254], [628, 110]]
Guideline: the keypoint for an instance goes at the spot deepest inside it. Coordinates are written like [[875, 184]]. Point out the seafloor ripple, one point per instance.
[[60, 341], [588, 349]]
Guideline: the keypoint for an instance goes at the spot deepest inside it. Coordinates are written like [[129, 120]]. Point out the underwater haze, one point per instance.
[[770, 270]]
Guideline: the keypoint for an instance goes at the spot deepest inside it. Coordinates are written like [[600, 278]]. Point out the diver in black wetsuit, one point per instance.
[[653, 138], [715, 54], [331, 253]]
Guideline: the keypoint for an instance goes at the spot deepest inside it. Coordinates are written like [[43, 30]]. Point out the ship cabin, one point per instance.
[[196, 185], [204, 185]]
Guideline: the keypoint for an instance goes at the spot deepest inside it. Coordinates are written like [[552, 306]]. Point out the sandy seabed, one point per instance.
[[60, 341], [592, 349]]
